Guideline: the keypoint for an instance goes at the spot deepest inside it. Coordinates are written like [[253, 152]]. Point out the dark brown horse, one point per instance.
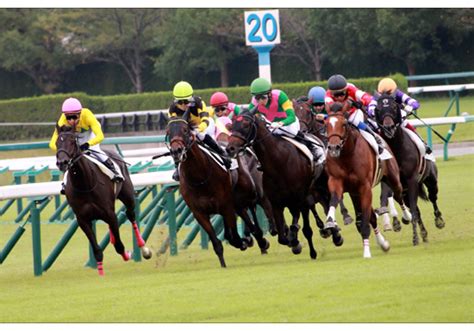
[[352, 167], [205, 186], [415, 171], [288, 178], [311, 124], [91, 194]]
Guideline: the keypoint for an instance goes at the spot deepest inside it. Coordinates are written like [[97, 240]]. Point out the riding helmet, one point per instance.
[[260, 86], [337, 82], [387, 85], [219, 99], [71, 105], [317, 93], [182, 91]]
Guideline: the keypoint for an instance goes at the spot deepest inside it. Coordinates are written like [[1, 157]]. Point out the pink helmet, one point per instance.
[[71, 105], [218, 99]]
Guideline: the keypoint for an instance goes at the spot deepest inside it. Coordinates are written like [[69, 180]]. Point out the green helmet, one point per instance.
[[260, 86], [182, 91]]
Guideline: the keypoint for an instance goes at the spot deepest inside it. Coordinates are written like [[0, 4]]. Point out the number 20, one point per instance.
[[253, 34]]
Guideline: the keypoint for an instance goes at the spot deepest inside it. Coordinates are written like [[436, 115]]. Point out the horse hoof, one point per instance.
[[273, 232], [146, 252], [249, 241], [126, 256], [415, 242], [348, 220], [385, 246], [325, 233], [264, 244], [296, 249], [439, 222], [338, 240], [313, 254], [243, 246], [405, 221], [396, 224], [387, 227], [283, 241]]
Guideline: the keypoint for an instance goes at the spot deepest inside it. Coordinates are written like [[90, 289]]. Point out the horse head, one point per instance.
[[388, 115], [68, 151], [180, 137], [243, 132], [304, 113], [337, 129]]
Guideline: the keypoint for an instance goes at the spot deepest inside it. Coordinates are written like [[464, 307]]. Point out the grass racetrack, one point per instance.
[[432, 282]]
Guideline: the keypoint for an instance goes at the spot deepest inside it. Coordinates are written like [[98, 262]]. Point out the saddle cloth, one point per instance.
[[218, 159], [419, 144], [104, 169], [373, 143]]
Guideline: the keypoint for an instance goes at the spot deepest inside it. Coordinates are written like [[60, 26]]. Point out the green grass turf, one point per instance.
[[432, 282]]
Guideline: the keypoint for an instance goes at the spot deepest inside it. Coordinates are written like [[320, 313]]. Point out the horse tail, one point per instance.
[[422, 192]]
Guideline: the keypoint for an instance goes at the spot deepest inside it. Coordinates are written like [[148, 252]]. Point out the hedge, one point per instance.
[[46, 108]]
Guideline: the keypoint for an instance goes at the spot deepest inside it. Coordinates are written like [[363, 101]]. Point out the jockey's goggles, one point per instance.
[[72, 117], [339, 93], [183, 102], [261, 96], [317, 104], [220, 108]]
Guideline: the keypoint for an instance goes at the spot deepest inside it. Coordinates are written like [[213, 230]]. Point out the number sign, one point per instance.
[[262, 28]]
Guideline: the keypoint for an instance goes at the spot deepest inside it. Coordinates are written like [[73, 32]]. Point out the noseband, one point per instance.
[[342, 138]]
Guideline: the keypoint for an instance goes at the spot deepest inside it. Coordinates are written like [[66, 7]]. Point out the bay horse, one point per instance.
[[91, 194], [247, 166], [310, 124], [351, 164], [205, 186], [288, 179], [415, 170]]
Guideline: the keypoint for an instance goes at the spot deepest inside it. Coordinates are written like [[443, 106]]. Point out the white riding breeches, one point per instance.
[[84, 137], [211, 129], [356, 117], [289, 130]]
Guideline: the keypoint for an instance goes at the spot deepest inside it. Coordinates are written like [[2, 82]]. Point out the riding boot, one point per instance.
[[312, 147], [216, 148], [63, 189], [108, 163], [427, 148], [377, 139]]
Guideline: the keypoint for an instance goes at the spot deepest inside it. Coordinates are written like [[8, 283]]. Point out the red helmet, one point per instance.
[[219, 99]]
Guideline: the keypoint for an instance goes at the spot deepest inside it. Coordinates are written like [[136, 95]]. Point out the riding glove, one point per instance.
[[84, 147], [275, 125], [408, 109]]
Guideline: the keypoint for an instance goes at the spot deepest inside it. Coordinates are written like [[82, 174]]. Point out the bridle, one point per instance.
[[250, 138], [186, 141], [343, 138], [73, 160]]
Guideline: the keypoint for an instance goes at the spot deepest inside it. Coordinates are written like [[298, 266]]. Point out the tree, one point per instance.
[[203, 40], [30, 42], [120, 36]]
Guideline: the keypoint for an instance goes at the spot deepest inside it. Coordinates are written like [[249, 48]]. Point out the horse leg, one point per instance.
[[127, 196], [86, 227], [267, 209], [381, 241], [308, 233], [112, 221], [281, 225], [365, 199], [205, 223], [412, 196], [345, 213], [263, 243], [423, 232], [293, 233], [335, 187], [319, 222], [383, 210], [431, 182], [230, 229], [394, 213]]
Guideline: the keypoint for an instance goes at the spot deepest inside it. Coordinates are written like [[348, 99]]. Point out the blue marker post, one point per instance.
[[264, 67]]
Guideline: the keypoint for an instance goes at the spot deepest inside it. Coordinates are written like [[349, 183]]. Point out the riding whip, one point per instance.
[[426, 124]]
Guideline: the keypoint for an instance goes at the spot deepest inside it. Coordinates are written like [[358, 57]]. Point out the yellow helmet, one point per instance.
[[387, 85], [182, 91]]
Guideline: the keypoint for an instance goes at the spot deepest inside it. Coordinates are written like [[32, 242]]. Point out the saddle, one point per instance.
[[103, 168], [306, 152], [371, 140], [421, 152]]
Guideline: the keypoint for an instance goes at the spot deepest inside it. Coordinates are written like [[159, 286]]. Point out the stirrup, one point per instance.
[[117, 179], [63, 189], [428, 149], [175, 175]]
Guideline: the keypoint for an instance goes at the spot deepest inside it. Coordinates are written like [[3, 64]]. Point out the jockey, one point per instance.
[[278, 109], [89, 132], [339, 90], [316, 97], [407, 104], [221, 105], [184, 100]]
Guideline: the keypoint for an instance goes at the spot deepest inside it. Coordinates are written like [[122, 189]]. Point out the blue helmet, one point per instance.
[[317, 94]]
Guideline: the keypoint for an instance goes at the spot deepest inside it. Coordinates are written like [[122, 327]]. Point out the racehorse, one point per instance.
[[309, 123], [91, 194], [352, 166], [415, 170], [247, 165], [285, 186], [205, 186]]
